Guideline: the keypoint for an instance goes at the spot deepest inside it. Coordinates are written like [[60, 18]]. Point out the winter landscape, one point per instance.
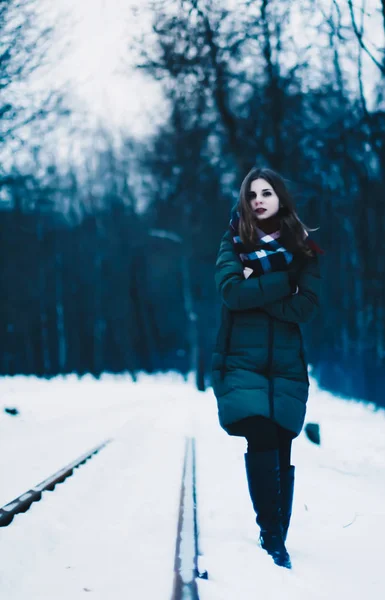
[[130, 303], [110, 529]]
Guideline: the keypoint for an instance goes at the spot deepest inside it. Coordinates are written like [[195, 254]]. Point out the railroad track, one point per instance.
[[22, 503], [187, 568], [187, 554]]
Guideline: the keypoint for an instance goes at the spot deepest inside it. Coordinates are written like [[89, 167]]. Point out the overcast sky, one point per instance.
[[99, 63]]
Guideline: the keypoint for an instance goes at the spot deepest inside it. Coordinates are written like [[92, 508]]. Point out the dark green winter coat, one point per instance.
[[259, 366]]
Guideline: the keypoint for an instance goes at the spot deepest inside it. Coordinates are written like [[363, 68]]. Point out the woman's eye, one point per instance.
[[267, 193], [251, 195]]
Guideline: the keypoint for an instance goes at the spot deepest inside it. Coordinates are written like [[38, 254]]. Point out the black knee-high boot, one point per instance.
[[263, 477], [287, 492]]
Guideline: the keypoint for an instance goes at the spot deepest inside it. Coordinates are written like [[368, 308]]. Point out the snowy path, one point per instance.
[[336, 540], [57, 423], [110, 529]]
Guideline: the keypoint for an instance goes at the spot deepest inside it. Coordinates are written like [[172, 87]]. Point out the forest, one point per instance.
[[108, 252]]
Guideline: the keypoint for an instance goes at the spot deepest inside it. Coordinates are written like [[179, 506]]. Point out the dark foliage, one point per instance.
[[102, 285]]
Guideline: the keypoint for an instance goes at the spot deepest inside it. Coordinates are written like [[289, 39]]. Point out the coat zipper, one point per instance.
[[270, 367]]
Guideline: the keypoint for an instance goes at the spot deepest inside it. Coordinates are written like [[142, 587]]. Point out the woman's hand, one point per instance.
[[247, 272]]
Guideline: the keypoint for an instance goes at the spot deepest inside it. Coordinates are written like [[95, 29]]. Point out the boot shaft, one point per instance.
[[263, 477], [287, 477]]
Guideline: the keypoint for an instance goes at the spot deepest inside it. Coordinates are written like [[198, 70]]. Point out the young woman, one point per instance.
[[267, 274]]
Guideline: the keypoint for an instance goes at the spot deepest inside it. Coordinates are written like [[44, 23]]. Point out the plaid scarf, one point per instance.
[[268, 255]]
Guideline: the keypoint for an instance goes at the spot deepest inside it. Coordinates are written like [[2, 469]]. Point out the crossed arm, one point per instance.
[[301, 307], [270, 292], [239, 293]]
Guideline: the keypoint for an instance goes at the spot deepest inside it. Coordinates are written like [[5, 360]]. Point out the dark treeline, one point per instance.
[[110, 267], [85, 285], [83, 300]]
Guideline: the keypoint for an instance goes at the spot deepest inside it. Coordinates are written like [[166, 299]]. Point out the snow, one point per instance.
[[110, 528]]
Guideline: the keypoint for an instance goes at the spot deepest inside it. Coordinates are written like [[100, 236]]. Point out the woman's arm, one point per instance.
[[303, 306], [239, 293]]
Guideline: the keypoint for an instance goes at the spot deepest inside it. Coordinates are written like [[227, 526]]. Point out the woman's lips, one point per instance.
[[260, 211]]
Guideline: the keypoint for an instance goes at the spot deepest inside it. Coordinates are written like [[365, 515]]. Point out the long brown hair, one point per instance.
[[292, 228]]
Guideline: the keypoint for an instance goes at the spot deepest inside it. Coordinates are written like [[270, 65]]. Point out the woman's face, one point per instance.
[[263, 200]]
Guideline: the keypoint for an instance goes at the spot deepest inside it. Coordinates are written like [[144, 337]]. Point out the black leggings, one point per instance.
[[263, 434]]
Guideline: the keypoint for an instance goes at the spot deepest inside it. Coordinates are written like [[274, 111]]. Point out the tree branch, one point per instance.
[[359, 36]]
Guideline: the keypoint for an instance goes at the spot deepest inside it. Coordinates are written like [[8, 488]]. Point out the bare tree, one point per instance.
[[360, 35], [24, 44]]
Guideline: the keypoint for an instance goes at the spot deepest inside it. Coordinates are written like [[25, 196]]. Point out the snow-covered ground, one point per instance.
[[110, 528]]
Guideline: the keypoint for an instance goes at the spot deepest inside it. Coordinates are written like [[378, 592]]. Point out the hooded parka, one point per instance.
[[259, 366]]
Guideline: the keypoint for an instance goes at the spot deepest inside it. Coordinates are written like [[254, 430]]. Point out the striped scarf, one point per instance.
[[268, 255]]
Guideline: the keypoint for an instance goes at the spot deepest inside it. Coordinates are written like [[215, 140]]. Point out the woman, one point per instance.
[[267, 274]]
